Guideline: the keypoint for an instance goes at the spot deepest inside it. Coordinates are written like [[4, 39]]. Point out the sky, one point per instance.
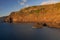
[[8, 6]]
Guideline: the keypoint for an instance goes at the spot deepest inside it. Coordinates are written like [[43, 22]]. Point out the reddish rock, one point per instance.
[[48, 14]]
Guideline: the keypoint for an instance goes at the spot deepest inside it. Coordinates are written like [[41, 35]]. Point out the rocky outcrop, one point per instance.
[[45, 15], [2, 19]]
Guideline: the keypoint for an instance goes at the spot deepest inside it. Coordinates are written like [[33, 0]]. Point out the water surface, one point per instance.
[[26, 32]]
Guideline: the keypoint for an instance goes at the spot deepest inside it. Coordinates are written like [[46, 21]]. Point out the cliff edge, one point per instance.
[[43, 14]]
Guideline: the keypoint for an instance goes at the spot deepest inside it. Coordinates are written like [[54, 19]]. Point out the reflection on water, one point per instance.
[[26, 32]]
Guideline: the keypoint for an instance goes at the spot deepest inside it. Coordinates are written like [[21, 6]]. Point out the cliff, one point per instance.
[[48, 15]]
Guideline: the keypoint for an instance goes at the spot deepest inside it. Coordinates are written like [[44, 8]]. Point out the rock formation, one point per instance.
[[2, 19], [46, 15]]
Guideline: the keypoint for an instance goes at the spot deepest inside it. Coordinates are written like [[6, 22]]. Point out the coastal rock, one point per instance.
[[2, 19], [48, 15]]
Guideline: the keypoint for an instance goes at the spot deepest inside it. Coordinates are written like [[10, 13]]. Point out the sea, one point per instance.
[[24, 31]]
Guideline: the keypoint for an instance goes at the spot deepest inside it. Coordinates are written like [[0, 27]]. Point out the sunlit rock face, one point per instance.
[[44, 14]]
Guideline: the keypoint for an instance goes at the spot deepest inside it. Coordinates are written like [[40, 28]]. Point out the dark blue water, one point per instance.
[[26, 32]]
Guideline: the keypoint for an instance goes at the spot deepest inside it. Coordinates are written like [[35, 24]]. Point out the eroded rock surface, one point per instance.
[[48, 15]]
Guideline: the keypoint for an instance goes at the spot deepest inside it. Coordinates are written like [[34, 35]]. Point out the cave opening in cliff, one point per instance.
[[44, 24], [10, 20]]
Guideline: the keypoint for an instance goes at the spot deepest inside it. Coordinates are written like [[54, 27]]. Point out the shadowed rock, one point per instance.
[[2, 19]]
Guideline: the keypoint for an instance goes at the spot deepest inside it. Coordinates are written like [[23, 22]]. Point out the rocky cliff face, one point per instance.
[[44, 14]]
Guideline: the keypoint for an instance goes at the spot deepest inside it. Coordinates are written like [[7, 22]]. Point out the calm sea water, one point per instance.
[[26, 32]]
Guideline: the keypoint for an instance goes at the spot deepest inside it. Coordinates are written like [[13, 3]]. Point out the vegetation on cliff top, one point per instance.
[[42, 9]]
